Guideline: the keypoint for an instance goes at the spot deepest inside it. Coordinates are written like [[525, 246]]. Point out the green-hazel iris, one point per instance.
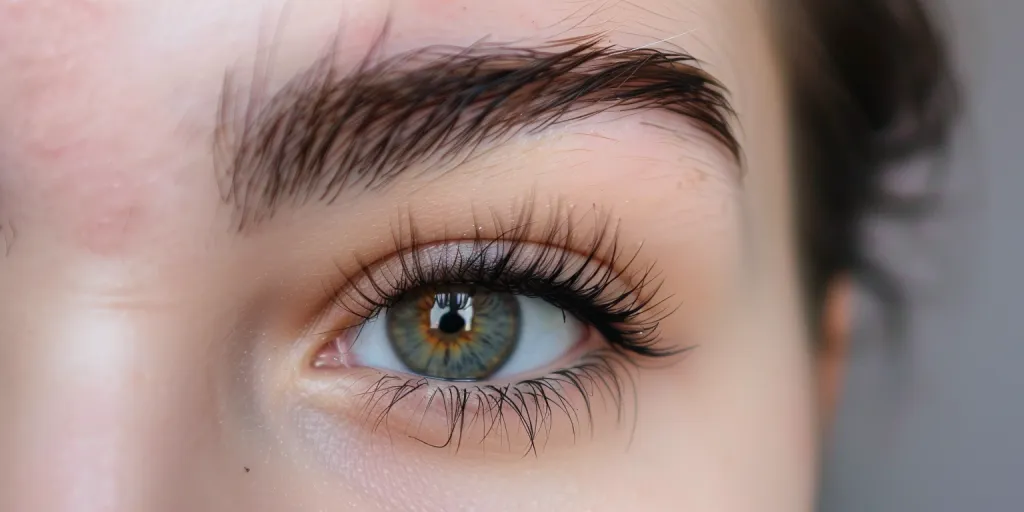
[[454, 333]]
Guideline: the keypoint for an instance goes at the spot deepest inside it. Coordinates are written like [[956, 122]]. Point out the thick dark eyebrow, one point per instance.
[[325, 132]]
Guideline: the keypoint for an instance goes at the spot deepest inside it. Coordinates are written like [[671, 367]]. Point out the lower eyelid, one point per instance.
[[589, 387], [518, 418]]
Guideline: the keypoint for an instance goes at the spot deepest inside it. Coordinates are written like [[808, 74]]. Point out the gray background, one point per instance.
[[936, 423]]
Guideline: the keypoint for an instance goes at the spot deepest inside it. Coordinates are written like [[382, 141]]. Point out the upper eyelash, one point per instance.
[[577, 277]]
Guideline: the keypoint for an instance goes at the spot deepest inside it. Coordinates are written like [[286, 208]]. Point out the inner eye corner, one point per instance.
[[326, 348]]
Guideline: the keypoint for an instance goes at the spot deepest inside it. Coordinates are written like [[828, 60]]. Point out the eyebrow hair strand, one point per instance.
[[324, 132]]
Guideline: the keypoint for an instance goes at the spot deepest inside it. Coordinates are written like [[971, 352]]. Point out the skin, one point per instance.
[[154, 358]]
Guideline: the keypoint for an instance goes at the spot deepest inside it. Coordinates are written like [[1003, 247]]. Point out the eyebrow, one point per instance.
[[326, 131]]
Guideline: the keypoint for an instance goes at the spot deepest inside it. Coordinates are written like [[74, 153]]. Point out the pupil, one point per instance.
[[451, 322]]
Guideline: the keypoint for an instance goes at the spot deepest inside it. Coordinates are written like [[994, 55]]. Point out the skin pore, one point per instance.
[[155, 354]]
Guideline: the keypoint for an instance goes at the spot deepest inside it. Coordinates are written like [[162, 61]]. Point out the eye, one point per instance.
[[462, 333], [491, 337]]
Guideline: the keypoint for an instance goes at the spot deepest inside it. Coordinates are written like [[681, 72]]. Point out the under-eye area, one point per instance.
[[505, 339]]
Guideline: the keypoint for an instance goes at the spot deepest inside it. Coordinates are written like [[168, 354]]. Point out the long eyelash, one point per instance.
[[583, 278], [532, 404], [586, 274]]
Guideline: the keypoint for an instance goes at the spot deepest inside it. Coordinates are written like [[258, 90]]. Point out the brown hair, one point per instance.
[[871, 87]]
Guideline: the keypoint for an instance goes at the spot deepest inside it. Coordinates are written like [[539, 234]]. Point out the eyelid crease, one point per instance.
[[325, 132]]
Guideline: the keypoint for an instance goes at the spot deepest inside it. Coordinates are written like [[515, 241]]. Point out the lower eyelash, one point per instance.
[[532, 405]]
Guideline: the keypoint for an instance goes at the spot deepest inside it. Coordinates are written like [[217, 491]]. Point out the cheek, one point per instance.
[[760, 389]]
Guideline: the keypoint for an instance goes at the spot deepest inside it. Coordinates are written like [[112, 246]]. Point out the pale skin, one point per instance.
[[153, 357]]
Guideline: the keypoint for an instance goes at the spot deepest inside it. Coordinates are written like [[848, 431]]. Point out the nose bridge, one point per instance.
[[94, 419]]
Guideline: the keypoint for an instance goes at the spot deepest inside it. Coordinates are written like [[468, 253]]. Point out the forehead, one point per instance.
[[109, 107]]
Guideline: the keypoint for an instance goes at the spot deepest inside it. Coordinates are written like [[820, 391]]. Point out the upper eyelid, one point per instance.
[[601, 277], [300, 146], [435, 257], [558, 236]]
